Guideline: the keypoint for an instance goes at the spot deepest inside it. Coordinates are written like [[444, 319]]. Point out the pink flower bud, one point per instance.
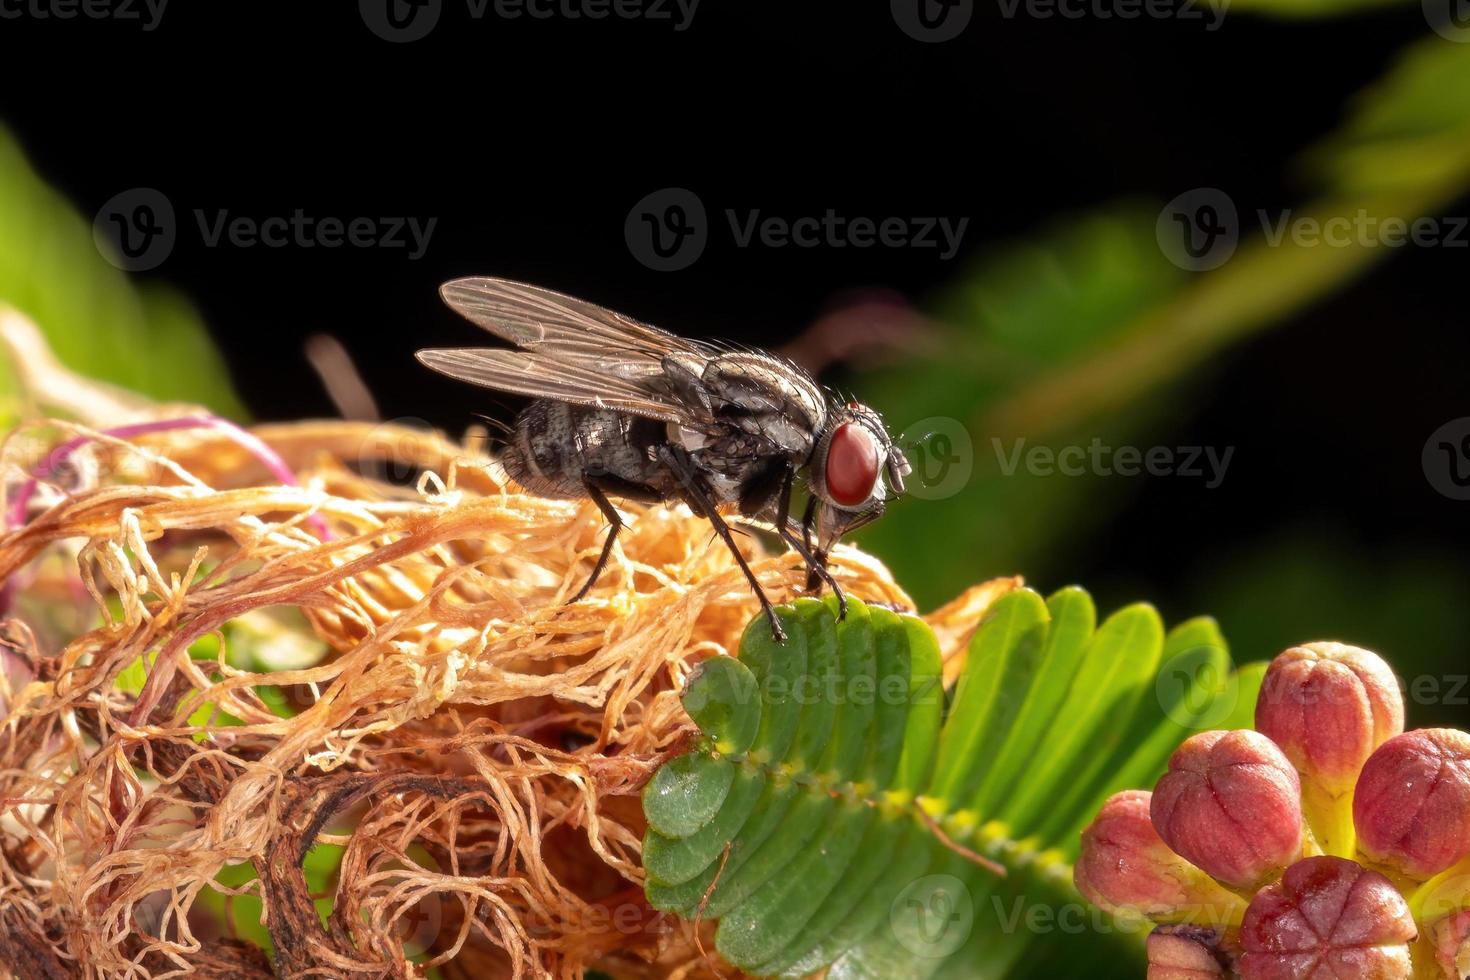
[[1231, 804], [1451, 938], [1412, 803], [1327, 918], [1125, 867], [1185, 953], [1328, 706]]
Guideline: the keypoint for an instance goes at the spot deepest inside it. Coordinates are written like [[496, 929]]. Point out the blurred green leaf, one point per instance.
[[145, 338], [1410, 133]]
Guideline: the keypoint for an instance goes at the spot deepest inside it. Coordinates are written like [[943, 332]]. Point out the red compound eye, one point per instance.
[[852, 465]]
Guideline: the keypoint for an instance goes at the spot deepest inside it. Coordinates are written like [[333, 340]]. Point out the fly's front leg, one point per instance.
[[807, 520], [701, 503], [598, 484], [815, 569]]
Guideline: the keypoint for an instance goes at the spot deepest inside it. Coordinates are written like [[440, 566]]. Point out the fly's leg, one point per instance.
[[807, 519], [699, 501], [815, 569], [599, 484]]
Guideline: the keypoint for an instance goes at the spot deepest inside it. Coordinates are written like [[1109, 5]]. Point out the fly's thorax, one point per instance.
[[756, 394]]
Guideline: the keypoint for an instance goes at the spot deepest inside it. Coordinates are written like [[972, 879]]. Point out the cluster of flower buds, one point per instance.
[[1326, 843]]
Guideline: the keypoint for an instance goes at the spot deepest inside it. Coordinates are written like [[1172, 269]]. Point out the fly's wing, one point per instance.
[[543, 320], [558, 377], [578, 352], [570, 350]]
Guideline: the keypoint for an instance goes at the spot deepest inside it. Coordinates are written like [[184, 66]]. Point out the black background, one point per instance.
[[530, 140]]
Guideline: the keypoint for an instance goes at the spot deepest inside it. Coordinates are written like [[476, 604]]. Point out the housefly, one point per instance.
[[624, 409]]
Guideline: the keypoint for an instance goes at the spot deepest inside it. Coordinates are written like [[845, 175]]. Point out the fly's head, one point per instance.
[[855, 471]]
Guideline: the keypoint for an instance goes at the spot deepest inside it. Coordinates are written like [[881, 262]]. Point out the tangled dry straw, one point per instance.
[[475, 743]]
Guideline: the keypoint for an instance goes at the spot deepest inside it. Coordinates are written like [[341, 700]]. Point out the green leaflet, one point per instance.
[[795, 821]]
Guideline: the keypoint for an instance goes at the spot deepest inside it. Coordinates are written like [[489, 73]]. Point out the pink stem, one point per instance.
[[251, 443]]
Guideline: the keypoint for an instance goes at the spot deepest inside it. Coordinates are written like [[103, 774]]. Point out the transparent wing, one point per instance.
[[585, 354], [554, 376], [543, 320]]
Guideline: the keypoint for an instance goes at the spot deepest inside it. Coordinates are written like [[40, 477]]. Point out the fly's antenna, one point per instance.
[[499, 435], [496, 424]]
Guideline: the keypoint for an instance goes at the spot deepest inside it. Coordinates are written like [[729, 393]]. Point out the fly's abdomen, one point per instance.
[[556, 444]]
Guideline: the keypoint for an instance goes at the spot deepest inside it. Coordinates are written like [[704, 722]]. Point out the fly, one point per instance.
[[624, 409]]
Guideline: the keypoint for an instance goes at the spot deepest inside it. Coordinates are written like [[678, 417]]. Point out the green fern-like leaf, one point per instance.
[[824, 815]]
